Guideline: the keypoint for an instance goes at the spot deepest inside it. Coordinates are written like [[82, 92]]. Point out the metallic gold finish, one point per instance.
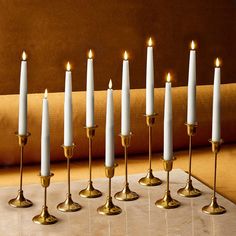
[[44, 218], [213, 208], [150, 179], [126, 194], [20, 201], [167, 201], [90, 191], [109, 208], [68, 205], [189, 190]]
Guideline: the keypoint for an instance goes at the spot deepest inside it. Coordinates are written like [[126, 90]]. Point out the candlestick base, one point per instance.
[[150, 179], [167, 202], [126, 194], [189, 190], [44, 218], [90, 191], [20, 201], [68, 205], [214, 208], [109, 208]]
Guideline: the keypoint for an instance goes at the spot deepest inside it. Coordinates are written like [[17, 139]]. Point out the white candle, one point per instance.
[[45, 139], [216, 104], [109, 155], [149, 80], [168, 139], [22, 122], [68, 126], [125, 97], [191, 113], [90, 92]]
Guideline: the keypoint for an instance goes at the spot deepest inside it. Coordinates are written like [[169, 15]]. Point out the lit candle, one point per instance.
[[109, 159], [168, 139], [125, 97], [22, 122], [216, 104], [149, 80], [68, 126], [45, 139], [90, 92], [191, 113]]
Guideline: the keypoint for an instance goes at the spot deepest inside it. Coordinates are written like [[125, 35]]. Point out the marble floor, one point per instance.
[[140, 217]]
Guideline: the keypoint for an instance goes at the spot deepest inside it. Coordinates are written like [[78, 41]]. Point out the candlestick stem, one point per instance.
[[68, 205], [109, 208], [150, 179], [20, 201], [213, 208], [126, 194], [167, 201], [90, 191]]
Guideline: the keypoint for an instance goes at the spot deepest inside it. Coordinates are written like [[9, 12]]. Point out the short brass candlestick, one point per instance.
[[189, 190], [167, 201], [90, 191], [213, 208], [126, 194], [150, 179], [109, 208], [44, 218], [68, 205], [20, 201]]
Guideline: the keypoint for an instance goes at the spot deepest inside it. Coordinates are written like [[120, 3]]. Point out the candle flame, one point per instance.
[[150, 42], [68, 67], [192, 45], [125, 56], [110, 84], [24, 56], [217, 62], [168, 77], [90, 54], [46, 93]]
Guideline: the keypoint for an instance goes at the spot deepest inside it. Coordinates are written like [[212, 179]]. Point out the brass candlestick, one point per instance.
[[109, 208], [44, 218], [20, 201], [189, 190], [213, 208], [90, 191], [150, 179], [68, 205], [167, 201], [126, 194]]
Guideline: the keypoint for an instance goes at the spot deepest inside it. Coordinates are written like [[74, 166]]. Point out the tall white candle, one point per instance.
[[45, 139], [90, 92], [109, 155], [68, 126], [149, 80], [168, 139], [191, 113], [216, 104], [22, 122], [125, 97]]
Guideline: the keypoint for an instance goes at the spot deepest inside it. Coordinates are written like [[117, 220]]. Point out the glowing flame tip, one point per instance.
[[168, 77], [90, 54], [46, 93], [217, 63], [110, 84], [150, 42], [24, 55], [192, 45], [125, 55], [68, 67]]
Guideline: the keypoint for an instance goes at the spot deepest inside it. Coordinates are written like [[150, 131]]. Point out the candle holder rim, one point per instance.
[[90, 127], [49, 176], [72, 146], [24, 135], [193, 125], [111, 167], [172, 159], [152, 115], [216, 142], [127, 135]]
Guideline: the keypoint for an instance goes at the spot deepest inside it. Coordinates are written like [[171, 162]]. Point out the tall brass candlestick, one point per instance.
[[150, 179], [109, 208], [167, 201], [90, 191], [20, 201], [68, 205], [213, 208], [126, 194], [189, 190], [44, 218]]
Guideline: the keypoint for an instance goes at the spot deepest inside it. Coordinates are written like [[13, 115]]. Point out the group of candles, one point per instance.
[[125, 104]]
